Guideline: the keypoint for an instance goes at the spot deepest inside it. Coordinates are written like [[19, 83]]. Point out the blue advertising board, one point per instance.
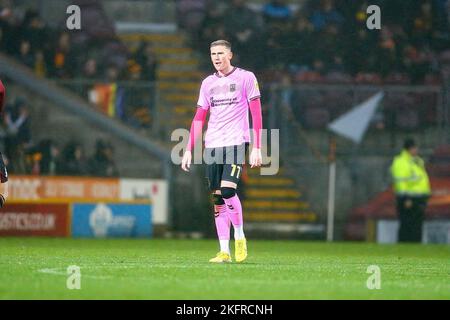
[[111, 220]]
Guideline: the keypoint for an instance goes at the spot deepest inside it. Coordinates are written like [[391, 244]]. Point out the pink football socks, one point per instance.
[[235, 213], [222, 227]]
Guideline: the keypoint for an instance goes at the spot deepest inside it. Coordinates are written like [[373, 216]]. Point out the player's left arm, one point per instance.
[[254, 103], [255, 110]]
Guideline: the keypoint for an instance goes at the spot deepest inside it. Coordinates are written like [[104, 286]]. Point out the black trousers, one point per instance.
[[411, 212], [3, 171]]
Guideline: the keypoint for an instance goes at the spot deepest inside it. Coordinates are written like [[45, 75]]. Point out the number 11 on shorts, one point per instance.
[[234, 170]]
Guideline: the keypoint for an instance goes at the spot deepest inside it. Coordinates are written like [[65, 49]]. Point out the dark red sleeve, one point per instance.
[[2, 96]]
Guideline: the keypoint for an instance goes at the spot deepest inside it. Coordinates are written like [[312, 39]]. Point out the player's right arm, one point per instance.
[[195, 132], [196, 127]]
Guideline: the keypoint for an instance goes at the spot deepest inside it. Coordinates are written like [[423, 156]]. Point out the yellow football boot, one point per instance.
[[221, 257], [240, 247]]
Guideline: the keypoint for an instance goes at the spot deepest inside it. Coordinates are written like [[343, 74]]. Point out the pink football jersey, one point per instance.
[[227, 97]]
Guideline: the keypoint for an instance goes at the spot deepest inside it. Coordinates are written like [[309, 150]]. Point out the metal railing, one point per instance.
[[306, 110]]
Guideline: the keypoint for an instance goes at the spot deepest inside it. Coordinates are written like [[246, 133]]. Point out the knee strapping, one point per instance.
[[227, 193]]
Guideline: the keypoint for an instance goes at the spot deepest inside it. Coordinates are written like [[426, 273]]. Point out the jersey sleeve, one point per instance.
[[252, 87], [203, 101], [3, 171], [2, 96]]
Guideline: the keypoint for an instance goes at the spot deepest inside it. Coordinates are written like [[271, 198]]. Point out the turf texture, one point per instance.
[[36, 268]]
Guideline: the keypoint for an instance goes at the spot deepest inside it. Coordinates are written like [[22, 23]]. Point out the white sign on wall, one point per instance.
[[155, 190], [434, 231]]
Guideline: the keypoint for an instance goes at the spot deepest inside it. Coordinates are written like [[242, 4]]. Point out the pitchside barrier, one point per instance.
[[84, 207], [377, 220]]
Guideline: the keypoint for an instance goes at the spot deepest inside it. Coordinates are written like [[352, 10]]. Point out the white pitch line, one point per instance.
[[62, 272], [56, 271]]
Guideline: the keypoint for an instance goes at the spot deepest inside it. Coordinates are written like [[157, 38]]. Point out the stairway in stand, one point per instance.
[[178, 79], [275, 204]]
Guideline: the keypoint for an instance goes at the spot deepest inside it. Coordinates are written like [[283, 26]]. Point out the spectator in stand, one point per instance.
[[190, 15], [328, 45], [34, 30], [102, 162], [359, 55], [417, 61], [73, 160], [40, 67], [134, 71], [213, 26], [90, 70], [50, 163], [442, 19], [18, 133], [25, 55], [277, 12], [325, 15], [387, 52], [301, 39], [337, 65], [112, 74], [114, 54], [422, 24], [277, 46], [62, 60], [146, 59], [241, 26], [8, 31]]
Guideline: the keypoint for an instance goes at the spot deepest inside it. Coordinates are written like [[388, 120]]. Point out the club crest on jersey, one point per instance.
[[233, 87]]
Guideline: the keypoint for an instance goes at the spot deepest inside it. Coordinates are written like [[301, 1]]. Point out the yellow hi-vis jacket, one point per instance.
[[409, 175]]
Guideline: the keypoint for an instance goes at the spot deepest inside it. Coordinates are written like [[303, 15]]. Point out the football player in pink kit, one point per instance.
[[228, 95]]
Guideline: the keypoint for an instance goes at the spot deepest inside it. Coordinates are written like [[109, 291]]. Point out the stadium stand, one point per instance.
[[314, 60]]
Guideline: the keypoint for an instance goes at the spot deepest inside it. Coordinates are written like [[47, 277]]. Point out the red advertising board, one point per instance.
[[34, 219], [382, 206], [31, 188]]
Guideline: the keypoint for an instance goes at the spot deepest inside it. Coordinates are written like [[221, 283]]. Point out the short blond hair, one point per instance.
[[224, 43]]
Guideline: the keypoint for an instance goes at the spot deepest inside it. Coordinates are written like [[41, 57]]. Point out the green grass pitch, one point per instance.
[[36, 268]]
